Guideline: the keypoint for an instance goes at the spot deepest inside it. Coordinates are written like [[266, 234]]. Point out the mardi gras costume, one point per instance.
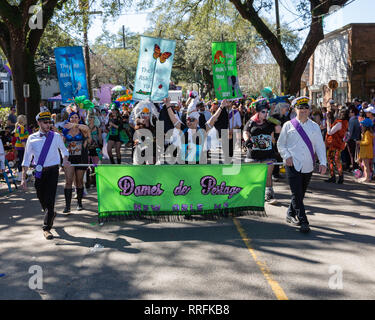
[[144, 115]]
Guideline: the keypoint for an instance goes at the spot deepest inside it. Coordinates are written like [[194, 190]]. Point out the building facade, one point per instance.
[[346, 55], [6, 86], [48, 87]]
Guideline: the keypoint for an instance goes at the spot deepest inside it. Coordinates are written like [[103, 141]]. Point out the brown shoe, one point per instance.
[[48, 235]]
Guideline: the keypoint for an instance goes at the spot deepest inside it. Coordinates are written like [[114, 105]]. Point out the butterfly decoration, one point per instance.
[[162, 55]]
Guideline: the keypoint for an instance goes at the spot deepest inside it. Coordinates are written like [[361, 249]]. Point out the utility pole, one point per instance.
[[278, 34], [84, 7], [123, 37]]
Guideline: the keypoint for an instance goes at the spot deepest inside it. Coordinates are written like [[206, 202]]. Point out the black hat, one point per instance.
[[261, 104]]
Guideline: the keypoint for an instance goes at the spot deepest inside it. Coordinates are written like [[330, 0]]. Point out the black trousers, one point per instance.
[[46, 192], [298, 183]]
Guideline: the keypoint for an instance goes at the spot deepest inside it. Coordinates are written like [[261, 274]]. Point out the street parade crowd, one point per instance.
[[287, 133]]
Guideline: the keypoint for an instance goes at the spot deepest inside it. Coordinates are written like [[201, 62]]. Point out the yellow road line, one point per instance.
[[277, 290]]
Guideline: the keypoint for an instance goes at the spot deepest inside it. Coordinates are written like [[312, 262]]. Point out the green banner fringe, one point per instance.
[[170, 216]]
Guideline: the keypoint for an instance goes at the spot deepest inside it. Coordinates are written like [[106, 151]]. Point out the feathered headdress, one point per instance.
[[83, 103], [145, 106], [115, 105]]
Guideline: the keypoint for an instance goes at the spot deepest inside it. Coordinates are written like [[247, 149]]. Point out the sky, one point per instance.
[[360, 11]]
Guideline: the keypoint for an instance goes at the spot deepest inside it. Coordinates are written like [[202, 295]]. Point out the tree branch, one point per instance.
[[36, 34], [248, 12]]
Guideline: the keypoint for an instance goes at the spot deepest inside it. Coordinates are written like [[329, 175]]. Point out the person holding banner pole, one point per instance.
[[298, 142], [192, 150], [44, 146]]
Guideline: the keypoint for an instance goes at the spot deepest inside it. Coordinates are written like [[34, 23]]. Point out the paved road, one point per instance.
[[243, 258]]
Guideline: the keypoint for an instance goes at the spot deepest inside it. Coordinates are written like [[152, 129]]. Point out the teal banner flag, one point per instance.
[[154, 69], [71, 72]]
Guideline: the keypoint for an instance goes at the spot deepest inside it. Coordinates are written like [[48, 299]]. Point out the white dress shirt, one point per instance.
[[291, 144], [34, 147]]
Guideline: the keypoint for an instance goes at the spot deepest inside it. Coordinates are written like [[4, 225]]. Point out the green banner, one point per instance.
[[128, 192], [224, 67]]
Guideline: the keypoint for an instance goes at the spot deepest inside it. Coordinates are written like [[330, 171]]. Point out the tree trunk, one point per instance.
[[23, 72], [19, 41]]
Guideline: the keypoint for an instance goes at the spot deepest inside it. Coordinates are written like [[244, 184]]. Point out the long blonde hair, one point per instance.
[[21, 120]]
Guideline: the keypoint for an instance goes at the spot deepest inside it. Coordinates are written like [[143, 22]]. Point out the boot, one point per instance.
[[68, 199], [119, 160], [79, 198], [88, 179], [112, 160], [340, 180], [331, 180]]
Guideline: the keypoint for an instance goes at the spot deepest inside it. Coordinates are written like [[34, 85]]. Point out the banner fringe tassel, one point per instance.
[[159, 217]]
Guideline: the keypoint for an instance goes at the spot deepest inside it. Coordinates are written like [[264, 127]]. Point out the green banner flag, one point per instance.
[[224, 67], [128, 191]]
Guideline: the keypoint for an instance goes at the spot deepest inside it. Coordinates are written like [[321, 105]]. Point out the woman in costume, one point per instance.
[[94, 148], [144, 116], [77, 138], [259, 135], [335, 145], [114, 127], [21, 134]]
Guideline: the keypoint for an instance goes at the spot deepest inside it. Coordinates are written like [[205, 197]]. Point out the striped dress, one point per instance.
[[21, 134]]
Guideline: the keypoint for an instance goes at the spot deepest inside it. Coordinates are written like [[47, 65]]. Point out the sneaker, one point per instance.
[[269, 198], [275, 178], [305, 227], [67, 210], [48, 235], [292, 220]]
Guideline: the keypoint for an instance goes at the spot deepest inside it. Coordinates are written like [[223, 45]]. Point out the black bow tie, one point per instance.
[[43, 135]]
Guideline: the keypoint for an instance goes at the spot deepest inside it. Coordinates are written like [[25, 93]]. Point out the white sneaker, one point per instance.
[[269, 197]]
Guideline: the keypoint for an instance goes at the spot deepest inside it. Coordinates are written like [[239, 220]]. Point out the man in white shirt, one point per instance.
[[298, 158], [46, 183]]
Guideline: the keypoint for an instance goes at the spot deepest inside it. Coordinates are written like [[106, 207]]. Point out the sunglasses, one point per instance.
[[47, 122], [303, 107], [190, 119], [264, 111]]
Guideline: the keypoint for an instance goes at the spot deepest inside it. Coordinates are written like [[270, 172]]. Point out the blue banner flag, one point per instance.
[[71, 72], [154, 69]]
